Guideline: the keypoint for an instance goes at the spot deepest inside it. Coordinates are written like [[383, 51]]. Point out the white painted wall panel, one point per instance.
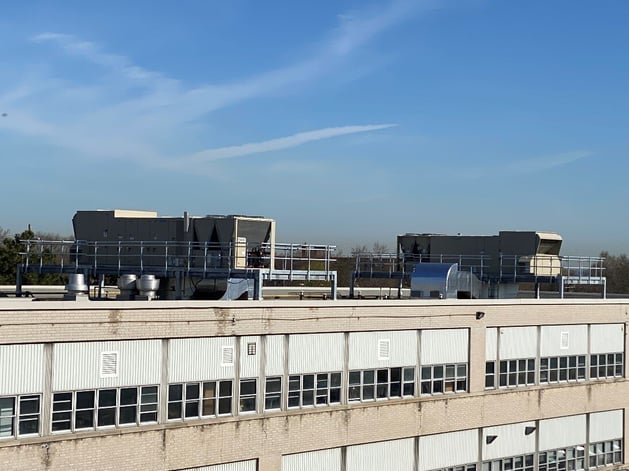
[[391, 455], [199, 359], [250, 465], [448, 449], [78, 365], [491, 343], [444, 346], [554, 335], [363, 349], [322, 460], [274, 360], [21, 369], [309, 353], [249, 364], [518, 342], [606, 425], [510, 441], [562, 432], [607, 338]]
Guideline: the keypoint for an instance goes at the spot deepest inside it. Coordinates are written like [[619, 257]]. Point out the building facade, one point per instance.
[[356, 385]]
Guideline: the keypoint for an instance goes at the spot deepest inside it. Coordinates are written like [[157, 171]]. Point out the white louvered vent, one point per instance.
[[565, 340], [108, 364], [384, 347], [227, 358]]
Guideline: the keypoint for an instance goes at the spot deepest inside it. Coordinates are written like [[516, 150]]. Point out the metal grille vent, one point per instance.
[[565, 340], [228, 356], [384, 347], [108, 364]]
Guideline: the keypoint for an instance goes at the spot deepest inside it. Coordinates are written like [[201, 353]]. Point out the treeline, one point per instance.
[[617, 273], [11, 248]]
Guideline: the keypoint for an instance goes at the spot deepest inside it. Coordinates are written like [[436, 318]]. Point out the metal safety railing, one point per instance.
[[169, 256], [504, 268]]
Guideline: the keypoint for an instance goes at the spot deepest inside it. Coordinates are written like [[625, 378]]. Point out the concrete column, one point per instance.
[[270, 462], [477, 358]]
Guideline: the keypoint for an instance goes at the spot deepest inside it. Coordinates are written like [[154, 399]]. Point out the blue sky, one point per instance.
[[347, 121]]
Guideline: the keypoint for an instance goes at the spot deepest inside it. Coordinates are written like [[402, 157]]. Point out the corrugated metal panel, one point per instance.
[[274, 357], [22, 369], [491, 343], [250, 465], [607, 338], [606, 425], [562, 340], [510, 440], [322, 460], [518, 342], [437, 451], [199, 359], [561, 432], [78, 365], [444, 346], [249, 364], [364, 352], [319, 352], [395, 455]]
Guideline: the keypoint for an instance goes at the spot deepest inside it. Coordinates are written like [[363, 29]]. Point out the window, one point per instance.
[[248, 393], [562, 369], [605, 453], [19, 415], [112, 407], [490, 375], [383, 383], [571, 458], [519, 372], [512, 463], [439, 379], [607, 365], [314, 389], [197, 400], [273, 393], [463, 467]]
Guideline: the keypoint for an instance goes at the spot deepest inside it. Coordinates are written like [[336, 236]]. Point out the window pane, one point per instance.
[[128, 414], [107, 417], [209, 407], [225, 406], [84, 418], [273, 385], [29, 405], [149, 395], [247, 386], [128, 396], [335, 379], [84, 399], [175, 392], [174, 410], [308, 381], [225, 388], [29, 426], [106, 398], [192, 391]]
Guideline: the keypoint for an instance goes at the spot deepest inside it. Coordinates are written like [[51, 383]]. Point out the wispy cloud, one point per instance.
[[131, 112], [279, 143], [526, 166]]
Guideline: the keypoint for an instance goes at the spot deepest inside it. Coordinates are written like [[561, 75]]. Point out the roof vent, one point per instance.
[[76, 286], [147, 286]]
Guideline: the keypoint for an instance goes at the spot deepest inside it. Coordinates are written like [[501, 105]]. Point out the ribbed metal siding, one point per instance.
[[274, 359], [21, 369], [77, 365], [606, 425], [250, 465], [249, 364], [310, 353], [510, 441], [199, 359], [491, 343], [552, 338], [607, 338], [322, 460], [448, 449], [391, 455], [363, 349], [562, 432], [518, 342], [444, 346]]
